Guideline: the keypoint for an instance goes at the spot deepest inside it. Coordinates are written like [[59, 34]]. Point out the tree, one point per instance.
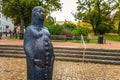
[[68, 25], [81, 30], [95, 12], [20, 10], [116, 18]]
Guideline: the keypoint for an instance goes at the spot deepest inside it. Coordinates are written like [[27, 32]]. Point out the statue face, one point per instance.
[[40, 13], [37, 15]]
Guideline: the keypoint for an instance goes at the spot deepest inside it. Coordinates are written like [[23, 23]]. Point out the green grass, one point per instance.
[[13, 37], [93, 41], [75, 41], [113, 37], [110, 36]]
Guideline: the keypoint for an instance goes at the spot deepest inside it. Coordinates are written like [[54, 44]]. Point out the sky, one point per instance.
[[68, 7]]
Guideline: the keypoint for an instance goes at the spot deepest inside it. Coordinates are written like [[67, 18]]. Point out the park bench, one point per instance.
[[58, 37], [64, 37], [86, 38]]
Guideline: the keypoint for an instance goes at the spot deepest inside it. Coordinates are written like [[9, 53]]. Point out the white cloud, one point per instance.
[[68, 7]]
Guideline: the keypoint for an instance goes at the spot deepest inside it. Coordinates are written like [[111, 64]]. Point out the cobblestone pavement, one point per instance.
[[15, 69], [87, 71]]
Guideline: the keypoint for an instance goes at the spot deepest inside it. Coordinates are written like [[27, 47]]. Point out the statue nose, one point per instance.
[[41, 12]]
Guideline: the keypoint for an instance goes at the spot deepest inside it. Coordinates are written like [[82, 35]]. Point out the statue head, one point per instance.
[[37, 15]]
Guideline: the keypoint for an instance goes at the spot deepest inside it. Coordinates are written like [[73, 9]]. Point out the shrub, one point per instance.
[[55, 29], [81, 30], [68, 33]]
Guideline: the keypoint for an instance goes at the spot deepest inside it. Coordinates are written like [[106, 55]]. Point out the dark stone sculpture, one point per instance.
[[38, 48]]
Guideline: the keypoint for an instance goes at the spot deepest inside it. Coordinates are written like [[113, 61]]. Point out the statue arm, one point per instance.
[[27, 46]]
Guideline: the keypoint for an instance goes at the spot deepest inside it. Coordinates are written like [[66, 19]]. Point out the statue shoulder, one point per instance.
[[29, 28], [45, 28]]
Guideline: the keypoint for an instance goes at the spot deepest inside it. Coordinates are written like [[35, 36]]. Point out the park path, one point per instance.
[[107, 45]]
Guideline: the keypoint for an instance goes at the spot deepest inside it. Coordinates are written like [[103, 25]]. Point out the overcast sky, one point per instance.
[[68, 7]]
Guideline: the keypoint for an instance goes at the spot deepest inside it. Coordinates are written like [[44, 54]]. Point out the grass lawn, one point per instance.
[[109, 36], [75, 41], [113, 37]]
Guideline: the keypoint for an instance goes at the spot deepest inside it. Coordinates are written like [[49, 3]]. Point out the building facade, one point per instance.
[[5, 23]]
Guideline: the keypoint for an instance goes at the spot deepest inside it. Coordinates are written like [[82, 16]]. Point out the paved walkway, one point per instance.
[[107, 45], [15, 69]]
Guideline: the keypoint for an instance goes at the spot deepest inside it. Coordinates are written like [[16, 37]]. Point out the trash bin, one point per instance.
[[21, 35], [100, 40]]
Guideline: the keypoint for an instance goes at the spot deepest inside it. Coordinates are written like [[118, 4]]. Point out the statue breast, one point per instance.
[[37, 41]]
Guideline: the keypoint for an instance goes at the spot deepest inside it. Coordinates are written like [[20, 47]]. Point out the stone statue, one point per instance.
[[38, 48]]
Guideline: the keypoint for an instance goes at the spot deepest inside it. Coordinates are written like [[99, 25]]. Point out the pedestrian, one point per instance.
[[10, 32], [15, 32]]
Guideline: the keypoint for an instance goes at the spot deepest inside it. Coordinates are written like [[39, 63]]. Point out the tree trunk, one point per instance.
[[95, 32], [94, 29], [21, 29], [119, 28]]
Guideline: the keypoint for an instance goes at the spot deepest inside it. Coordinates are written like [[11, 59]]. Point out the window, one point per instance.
[[0, 15], [0, 8]]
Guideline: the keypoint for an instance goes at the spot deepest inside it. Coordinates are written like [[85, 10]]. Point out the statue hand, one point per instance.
[[39, 63]]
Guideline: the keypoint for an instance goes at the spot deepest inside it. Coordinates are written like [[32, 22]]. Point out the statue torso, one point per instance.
[[36, 41]]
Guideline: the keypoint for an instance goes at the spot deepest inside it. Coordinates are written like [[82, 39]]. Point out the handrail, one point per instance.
[[84, 48]]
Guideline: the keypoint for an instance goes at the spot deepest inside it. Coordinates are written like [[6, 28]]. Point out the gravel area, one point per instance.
[[15, 69]]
